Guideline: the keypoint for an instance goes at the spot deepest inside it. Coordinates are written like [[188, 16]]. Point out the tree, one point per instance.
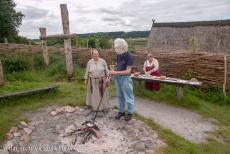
[[104, 42], [93, 42], [10, 20]]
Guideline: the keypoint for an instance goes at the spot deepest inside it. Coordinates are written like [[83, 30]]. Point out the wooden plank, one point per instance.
[[172, 81], [44, 47], [67, 42], [28, 92], [179, 92], [225, 75], [6, 40], [58, 36], [1, 75]]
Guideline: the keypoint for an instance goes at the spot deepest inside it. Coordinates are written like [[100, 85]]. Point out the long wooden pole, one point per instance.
[[1, 75], [225, 75], [44, 46], [67, 42], [5, 40]]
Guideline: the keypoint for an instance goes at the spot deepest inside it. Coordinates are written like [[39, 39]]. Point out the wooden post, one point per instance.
[[87, 43], [44, 46], [225, 75], [76, 43], [1, 75], [179, 92], [29, 41], [67, 42], [5, 40]]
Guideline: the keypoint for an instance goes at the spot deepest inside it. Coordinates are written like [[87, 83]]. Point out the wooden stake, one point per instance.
[[1, 75], [5, 40], [87, 43], [179, 92], [30, 42], [44, 46], [225, 75], [67, 42]]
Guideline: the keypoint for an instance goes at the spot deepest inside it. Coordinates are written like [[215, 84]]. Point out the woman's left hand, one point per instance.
[[107, 81]]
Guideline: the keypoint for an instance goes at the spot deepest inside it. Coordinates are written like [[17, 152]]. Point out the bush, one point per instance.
[[16, 63], [38, 62]]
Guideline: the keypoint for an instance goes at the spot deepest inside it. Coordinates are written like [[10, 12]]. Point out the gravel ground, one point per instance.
[[54, 130], [182, 122]]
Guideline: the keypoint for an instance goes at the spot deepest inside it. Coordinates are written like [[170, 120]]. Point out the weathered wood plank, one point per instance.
[[67, 42], [29, 92], [6, 40], [58, 36], [179, 92], [172, 81], [1, 75], [44, 46], [177, 82]]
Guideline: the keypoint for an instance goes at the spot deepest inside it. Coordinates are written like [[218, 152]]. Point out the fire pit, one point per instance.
[[70, 130]]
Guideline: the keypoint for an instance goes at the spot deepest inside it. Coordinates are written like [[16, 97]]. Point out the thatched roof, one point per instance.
[[192, 24]]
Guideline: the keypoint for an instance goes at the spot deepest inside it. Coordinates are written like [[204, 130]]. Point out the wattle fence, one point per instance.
[[208, 68]]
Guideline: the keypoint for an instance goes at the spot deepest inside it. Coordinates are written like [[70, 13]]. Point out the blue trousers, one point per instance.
[[124, 89]]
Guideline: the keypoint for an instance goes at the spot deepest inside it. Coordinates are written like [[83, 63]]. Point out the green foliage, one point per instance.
[[55, 42], [93, 42], [57, 70], [38, 62], [10, 20], [104, 42], [20, 40], [211, 94], [119, 34], [16, 63], [24, 62], [79, 42], [189, 74]]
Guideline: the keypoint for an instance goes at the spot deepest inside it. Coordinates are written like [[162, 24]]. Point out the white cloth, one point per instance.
[[95, 71], [150, 64]]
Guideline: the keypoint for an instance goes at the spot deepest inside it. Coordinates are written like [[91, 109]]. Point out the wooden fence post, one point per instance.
[[1, 75], [5, 40], [225, 75], [87, 43], [29, 42], [44, 46], [67, 42]]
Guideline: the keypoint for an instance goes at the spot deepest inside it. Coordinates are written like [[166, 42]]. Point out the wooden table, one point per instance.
[[179, 83]]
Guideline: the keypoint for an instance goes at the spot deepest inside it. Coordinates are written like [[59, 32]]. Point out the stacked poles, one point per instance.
[[67, 41]]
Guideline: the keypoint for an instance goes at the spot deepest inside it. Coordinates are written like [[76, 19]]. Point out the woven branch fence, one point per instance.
[[208, 68]]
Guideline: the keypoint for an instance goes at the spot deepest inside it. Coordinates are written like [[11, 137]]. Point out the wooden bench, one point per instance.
[[179, 83], [28, 92]]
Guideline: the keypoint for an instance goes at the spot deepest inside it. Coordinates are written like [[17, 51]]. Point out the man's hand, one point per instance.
[[112, 72]]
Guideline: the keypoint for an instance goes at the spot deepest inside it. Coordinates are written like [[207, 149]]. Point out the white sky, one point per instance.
[[115, 15]]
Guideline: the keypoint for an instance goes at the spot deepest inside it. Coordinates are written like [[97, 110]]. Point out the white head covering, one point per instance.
[[120, 46]]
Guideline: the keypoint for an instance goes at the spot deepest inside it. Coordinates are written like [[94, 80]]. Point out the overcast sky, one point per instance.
[[115, 15]]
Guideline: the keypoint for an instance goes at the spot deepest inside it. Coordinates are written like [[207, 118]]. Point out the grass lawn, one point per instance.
[[210, 104]]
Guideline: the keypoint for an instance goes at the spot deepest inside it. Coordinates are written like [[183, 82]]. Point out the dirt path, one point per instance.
[[182, 122]]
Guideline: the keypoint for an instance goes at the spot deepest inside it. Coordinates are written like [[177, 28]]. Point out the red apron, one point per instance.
[[153, 86]]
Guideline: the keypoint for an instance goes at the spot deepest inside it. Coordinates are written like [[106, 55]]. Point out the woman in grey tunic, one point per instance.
[[96, 77]]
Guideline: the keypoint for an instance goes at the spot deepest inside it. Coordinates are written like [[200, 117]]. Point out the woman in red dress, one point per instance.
[[151, 67]]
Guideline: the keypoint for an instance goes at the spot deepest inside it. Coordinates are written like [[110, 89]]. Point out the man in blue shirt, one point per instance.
[[123, 80]]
